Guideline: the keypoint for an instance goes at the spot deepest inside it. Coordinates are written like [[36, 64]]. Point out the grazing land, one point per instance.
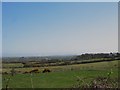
[[75, 75]]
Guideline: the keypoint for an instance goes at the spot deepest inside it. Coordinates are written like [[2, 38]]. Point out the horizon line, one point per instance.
[[60, 54]]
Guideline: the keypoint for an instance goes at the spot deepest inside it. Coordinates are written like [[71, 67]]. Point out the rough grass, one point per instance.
[[62, 76], [10, 65], [89, 66]]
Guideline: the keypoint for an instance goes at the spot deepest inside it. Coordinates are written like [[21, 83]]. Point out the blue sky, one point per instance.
[[38, 29], [1, 29], [60, 0]]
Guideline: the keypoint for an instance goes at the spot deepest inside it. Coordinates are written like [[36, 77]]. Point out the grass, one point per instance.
[[10, 65], [54, 79], [62, 76], [90, 66]]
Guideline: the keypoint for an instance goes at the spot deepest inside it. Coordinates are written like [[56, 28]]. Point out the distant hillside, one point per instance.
[[82, 57]]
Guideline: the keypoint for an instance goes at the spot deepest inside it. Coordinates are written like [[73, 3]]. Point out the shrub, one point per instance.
[[98, 82], [5, 73], [46, 70], [25, 72], [34, 71]]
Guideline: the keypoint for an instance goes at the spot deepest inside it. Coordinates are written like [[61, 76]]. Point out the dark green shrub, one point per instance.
[[34, 71], [46, 70]]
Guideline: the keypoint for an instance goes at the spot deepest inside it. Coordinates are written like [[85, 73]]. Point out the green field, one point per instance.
[[61, 76]]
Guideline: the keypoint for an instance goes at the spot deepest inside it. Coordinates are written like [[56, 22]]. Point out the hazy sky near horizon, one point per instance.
[[59, 28]]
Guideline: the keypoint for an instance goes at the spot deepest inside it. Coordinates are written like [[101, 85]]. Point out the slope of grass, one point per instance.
[[54, 79], [89, 66], [65, 77]]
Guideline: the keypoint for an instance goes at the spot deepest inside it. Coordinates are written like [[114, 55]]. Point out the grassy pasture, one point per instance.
[[89, 66], [10, 65], [61, 76]]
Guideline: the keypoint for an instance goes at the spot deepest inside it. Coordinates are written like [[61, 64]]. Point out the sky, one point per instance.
[[60, 0], [0, 30], [49, 28]]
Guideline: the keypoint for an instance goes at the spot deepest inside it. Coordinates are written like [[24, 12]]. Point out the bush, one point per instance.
[[34, 71], [98, 82], [25, 72], [5, 73], [46, 70]]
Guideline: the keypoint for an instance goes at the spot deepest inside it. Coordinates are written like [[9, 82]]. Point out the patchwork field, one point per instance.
[[62, 76]]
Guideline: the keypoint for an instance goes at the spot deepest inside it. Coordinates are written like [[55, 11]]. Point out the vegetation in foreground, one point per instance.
[[93, 75], [83, 71]]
